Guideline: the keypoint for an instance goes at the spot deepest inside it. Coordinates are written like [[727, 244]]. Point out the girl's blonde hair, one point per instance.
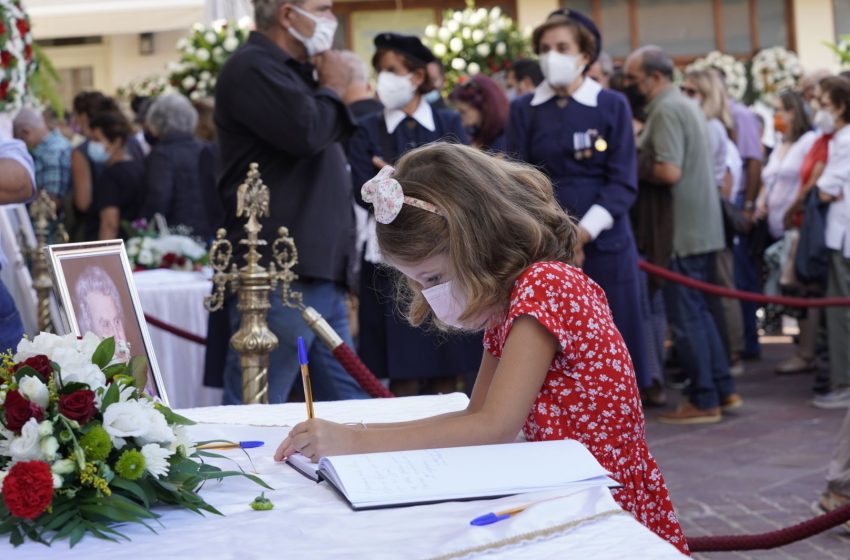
[[496, 219], [714, 103]]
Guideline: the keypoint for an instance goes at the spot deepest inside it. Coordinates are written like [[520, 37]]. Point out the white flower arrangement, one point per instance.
[[16, 56], [732, 68], [175, 249], [203, 53], [476, 40], [149, 86], [773, 70]]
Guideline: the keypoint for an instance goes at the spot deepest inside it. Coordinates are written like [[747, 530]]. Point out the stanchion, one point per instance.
[[42, 212]]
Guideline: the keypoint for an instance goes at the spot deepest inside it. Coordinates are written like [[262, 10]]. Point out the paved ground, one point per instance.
[[758, 470]]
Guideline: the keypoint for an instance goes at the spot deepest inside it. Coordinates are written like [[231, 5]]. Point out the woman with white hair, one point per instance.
[[179, 174]]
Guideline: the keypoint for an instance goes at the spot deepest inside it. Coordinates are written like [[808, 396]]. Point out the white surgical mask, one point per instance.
[[511, 94], [323, 35], [560, 69], [395, 91], [448, 306], [824, 121]]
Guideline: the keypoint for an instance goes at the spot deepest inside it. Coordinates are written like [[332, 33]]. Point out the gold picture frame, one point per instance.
[[94, 284]]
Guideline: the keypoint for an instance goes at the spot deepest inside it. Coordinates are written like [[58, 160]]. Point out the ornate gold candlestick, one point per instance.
[[42, 211], [253, 341]]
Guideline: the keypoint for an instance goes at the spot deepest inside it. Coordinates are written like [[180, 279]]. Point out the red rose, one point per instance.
[[5, 58], [22, 26], [168, 260], [28, 53], [28, 489], [41, 364], [4, 89], [78, 405], [2, 28], [19, 410]]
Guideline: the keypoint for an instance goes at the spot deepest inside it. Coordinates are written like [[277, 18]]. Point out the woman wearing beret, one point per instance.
[[415, 360], [581, 135]]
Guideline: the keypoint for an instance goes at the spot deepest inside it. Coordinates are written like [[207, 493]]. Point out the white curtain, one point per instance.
[[228, 9]]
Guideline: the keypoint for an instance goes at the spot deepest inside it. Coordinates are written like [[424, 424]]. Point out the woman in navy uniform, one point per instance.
[[581, 135], [415, 360]]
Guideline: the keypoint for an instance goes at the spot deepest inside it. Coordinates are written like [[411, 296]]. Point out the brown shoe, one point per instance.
[[689, 414], [732, 402], [653, 396]]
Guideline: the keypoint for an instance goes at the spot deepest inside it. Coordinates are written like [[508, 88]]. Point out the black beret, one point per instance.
[[407, 44], [584, 21]]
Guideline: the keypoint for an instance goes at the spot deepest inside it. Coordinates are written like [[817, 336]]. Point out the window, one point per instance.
[[690, 28], [841, 8]]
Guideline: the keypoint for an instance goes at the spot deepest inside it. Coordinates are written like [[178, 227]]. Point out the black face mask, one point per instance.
[[637, 100], [150, 138], [473, 131]]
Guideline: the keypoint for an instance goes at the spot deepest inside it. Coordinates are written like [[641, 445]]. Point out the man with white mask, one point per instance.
[[278, 103]]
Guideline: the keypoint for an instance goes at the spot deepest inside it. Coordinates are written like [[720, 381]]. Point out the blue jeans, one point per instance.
[[329, 379], [747, 279], [11, 327], [698, 342]]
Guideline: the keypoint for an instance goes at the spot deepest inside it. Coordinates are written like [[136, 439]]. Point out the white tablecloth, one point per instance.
[[178, 299], [310, 521]]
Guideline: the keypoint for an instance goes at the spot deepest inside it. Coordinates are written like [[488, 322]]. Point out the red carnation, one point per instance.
[[41, 364], [4, 89], [2, 28], [5, 58], [78, 406], [19, 410], [28, 53], [22, 26], [28, 489]]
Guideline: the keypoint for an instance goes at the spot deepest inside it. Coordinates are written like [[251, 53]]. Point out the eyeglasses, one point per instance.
[[689, 91]]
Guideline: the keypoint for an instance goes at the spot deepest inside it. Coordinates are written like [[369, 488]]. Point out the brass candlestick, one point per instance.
[[254, 341], [42, 212]]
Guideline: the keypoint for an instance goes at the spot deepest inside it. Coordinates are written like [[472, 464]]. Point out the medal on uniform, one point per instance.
[[601, 145]]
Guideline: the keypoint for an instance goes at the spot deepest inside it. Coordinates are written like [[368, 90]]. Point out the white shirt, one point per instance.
[[16, 150], [735, 165], [781, 177], [835, 181], [423, 114], [597, 218]]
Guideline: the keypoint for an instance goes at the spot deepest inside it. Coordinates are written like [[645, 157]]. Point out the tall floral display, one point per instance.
[[733, 69], [202, 55], [773, 70], [474, 40], [16, 54]]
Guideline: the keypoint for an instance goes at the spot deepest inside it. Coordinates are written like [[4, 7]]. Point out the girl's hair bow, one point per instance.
[[386, 196]]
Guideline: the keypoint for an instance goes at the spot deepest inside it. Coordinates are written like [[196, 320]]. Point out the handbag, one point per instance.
[[811, 262]]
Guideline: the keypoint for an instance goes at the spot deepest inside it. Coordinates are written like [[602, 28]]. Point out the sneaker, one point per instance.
[[796, 364], [737, 369], [837, 398], [731, 402], [687, 413]]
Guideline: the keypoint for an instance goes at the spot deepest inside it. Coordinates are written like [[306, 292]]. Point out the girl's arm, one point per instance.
[[495, 414], [110, 218], [81, 181]]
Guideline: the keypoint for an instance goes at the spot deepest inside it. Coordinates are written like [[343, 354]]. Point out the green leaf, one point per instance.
[[131, 487], [111, 396], [104, 352], [138, 368], [76, 535], [69, 388], [60, 520], [16, 538], [172, 417], [24, 371], [113, 370]]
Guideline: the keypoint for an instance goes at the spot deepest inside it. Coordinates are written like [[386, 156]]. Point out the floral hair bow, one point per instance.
[[387, 198]]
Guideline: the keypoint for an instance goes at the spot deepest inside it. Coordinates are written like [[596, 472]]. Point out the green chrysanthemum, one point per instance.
[[131, 464], [96, 443]]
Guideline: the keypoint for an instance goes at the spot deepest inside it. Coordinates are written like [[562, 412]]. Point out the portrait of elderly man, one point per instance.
[[99, 309]]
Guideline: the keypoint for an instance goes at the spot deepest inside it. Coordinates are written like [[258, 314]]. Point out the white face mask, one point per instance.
[[323, 34], [395, 91], [448, 306], [824, 121], [560, 69]]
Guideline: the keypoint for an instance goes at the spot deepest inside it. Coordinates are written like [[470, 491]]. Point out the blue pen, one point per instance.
[[493, 517], [232, 444], [305, 377]]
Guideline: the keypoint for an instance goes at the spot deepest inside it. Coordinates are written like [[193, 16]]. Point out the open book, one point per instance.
[[406, 478]]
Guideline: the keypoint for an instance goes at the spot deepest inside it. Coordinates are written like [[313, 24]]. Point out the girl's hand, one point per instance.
[[316, 439]]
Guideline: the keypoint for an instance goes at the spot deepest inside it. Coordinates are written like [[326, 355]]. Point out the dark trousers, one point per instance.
[[11, 327]]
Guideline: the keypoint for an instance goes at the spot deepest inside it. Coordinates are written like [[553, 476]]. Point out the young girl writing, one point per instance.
[[483, 244]]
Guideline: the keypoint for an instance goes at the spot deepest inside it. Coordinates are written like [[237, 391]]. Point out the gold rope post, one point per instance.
[[42, 212]]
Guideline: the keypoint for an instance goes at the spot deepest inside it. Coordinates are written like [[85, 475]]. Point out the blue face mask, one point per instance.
[[97, 152], [432, 96]]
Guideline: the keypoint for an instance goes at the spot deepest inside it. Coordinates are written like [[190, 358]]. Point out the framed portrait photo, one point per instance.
[[94, 284]]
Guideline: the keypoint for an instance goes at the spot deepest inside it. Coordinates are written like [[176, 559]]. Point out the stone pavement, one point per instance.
[[760, 469]]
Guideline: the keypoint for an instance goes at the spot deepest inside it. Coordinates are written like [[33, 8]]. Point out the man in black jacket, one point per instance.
[[278, 104]]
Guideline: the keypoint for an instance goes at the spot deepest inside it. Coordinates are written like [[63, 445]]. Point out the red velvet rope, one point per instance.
[[716, 290], [176, 331], [358, 370]]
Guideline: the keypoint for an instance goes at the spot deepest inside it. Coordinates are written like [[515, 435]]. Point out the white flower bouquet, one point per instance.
[[174, 249], [84, 448], [773, 70], [476, 40], [150, 86], [732, 68], [16, 55], [203, 53]]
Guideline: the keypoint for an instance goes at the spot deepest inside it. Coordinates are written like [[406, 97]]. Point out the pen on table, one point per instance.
[[305, 377], [493, 517], [230, 445]]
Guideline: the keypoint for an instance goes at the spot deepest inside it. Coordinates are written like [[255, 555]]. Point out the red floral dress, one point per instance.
[[590, 393]]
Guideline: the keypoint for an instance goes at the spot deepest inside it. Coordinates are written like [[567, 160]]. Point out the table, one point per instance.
[[310, 521], [177, 298]]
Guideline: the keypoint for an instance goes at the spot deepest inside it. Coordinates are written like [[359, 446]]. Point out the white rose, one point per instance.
[[197, 94], [218, 24], [440, 50], [210, 37], [453, 26], [444, 34], [205, 75], [478, 35], [49, 447], [34, 390], [457, 16], [125, 419], [84, 372], [501, 48], [483, 49], [203, 55], [156, 459], [43, 343], [188, 83], [458, 64], [64, 466], [182, 44], [467, 33], [218, 53], [197, 27], [431, 31], [496, 13], [473, 68], [26, 446], [145, 257], [57, 481], [231, 44], [156, 427], [456, 45], [245, 22]]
